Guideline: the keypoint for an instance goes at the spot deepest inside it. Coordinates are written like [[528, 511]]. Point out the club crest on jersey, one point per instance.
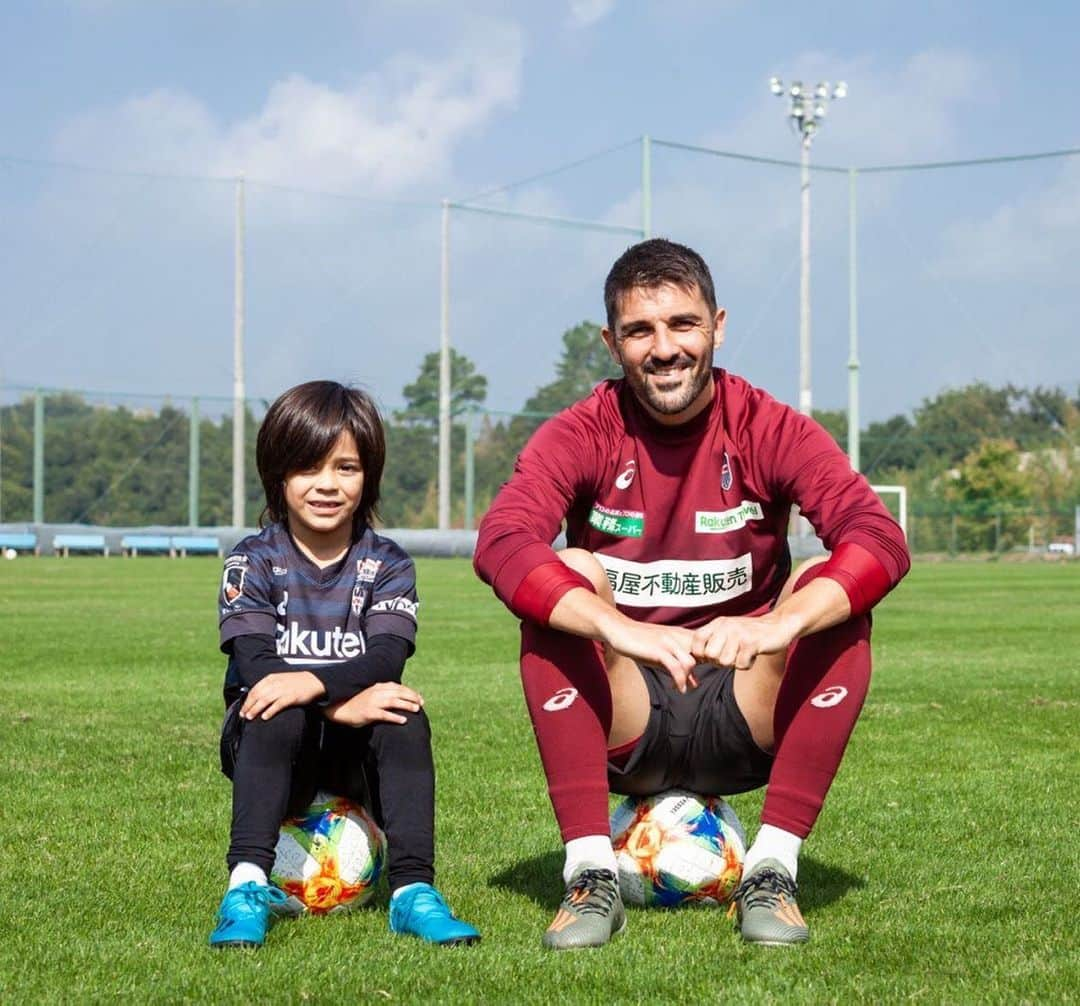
[[725, 473], [366, 570], [359, 596], [626, 476], [232, 583]]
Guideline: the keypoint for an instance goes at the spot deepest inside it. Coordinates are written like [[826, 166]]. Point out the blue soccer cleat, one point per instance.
[[419, 910], [244, 915]]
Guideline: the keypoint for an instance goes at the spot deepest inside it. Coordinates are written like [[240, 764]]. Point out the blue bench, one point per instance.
[[64, 544], [133, 544], [19, 541], [195, 544]]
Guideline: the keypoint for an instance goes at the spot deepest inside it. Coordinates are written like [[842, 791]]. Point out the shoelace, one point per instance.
[[599, 888], [254, 895], [763, 887]]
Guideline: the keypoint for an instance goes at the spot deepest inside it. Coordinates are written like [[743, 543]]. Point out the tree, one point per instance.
[[835, 422], [991, 495], [584, 363], [422, 396]]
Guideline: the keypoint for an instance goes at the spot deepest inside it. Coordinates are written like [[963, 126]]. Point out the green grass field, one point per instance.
[[944, 867]]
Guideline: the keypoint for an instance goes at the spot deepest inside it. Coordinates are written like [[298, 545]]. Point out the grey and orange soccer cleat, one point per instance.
[[591, 912], [766, 907]]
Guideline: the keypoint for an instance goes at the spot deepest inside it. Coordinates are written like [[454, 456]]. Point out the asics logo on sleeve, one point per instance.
[[562, 699], [830, 697], [626, 476]]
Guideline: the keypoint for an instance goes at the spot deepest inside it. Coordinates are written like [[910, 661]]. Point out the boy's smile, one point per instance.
[[321, 500]]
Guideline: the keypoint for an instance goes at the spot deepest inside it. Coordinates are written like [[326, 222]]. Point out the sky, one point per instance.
[[127, 123]]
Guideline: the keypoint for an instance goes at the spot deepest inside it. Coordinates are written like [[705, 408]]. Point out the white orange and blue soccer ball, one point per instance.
[[330, 858], [677, 848]]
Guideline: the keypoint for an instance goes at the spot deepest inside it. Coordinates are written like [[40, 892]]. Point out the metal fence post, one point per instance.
[[193, 464], [39, 456], [470, 467]]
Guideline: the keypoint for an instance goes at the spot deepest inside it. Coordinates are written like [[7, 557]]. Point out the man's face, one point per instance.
[[664, 339]]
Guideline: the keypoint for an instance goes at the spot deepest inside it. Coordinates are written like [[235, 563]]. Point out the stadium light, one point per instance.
[[807, 108]]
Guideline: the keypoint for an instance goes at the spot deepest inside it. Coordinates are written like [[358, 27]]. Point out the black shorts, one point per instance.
[[333, 761], [697, 741]]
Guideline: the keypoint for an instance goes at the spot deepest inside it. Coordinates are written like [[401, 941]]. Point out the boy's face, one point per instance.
[[322, 500]]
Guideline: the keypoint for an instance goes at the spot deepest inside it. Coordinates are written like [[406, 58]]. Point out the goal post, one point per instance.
[[901, 502]]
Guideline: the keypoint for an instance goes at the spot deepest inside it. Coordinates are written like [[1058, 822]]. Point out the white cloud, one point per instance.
[[588, 12], [395, 128], [1035, 238]]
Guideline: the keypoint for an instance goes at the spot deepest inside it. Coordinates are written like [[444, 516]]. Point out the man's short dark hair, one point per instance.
[[300, 429], [654, 263]]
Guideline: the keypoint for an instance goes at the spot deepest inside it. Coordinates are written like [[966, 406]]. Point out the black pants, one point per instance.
[[277, 765]]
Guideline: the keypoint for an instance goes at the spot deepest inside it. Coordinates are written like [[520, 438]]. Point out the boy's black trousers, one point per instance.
[[278, 765]]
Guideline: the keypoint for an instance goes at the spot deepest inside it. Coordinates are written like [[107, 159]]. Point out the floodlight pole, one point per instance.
[[444, 374], [805, 404], [238, 362], [853, 330], [806, 111], [646, 186]]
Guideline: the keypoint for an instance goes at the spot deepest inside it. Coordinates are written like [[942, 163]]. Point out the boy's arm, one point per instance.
[[255, 657]]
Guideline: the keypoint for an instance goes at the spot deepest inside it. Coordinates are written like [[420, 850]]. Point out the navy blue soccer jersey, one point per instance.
[[317, 616]]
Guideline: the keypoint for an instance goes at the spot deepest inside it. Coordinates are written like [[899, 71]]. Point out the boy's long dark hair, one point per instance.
[[299, 430]]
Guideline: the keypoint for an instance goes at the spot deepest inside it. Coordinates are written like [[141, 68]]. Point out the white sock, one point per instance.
[[592, 850], [243, 872], [774, 843]]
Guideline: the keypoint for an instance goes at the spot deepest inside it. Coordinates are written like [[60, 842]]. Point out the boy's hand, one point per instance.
[[376, 704], [275, 692]]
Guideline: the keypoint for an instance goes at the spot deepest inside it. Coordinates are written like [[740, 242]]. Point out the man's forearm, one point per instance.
[[819, 604], [582, 613]]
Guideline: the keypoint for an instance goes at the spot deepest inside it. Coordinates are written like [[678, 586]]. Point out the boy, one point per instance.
[[318, 616]]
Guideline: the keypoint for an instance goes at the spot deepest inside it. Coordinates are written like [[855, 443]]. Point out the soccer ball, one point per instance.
[[676, 848], [329, 858], [10, 553]]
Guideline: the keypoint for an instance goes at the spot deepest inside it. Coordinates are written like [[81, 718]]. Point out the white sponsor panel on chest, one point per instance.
[[677, 583]]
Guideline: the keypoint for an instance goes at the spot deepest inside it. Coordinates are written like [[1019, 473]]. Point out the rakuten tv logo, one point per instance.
[[330, 644]]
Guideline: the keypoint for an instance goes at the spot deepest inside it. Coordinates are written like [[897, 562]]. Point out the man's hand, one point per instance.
[[275, 692], [665, 646], [736, 642], [376, 704]]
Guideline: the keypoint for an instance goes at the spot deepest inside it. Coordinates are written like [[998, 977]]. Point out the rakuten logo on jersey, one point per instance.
[[294, 643]]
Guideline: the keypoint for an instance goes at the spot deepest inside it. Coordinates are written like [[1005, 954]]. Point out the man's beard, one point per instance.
[[669, 403]]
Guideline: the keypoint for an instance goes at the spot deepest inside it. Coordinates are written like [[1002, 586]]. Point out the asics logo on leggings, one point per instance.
[[562, 699], [832, 696]]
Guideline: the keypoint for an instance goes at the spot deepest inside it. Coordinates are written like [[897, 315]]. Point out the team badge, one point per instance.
[[366, 570], [725, 474], [232, 585], [359, 596]]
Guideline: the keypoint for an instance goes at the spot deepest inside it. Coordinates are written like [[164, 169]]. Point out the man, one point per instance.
[[672, 645]]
